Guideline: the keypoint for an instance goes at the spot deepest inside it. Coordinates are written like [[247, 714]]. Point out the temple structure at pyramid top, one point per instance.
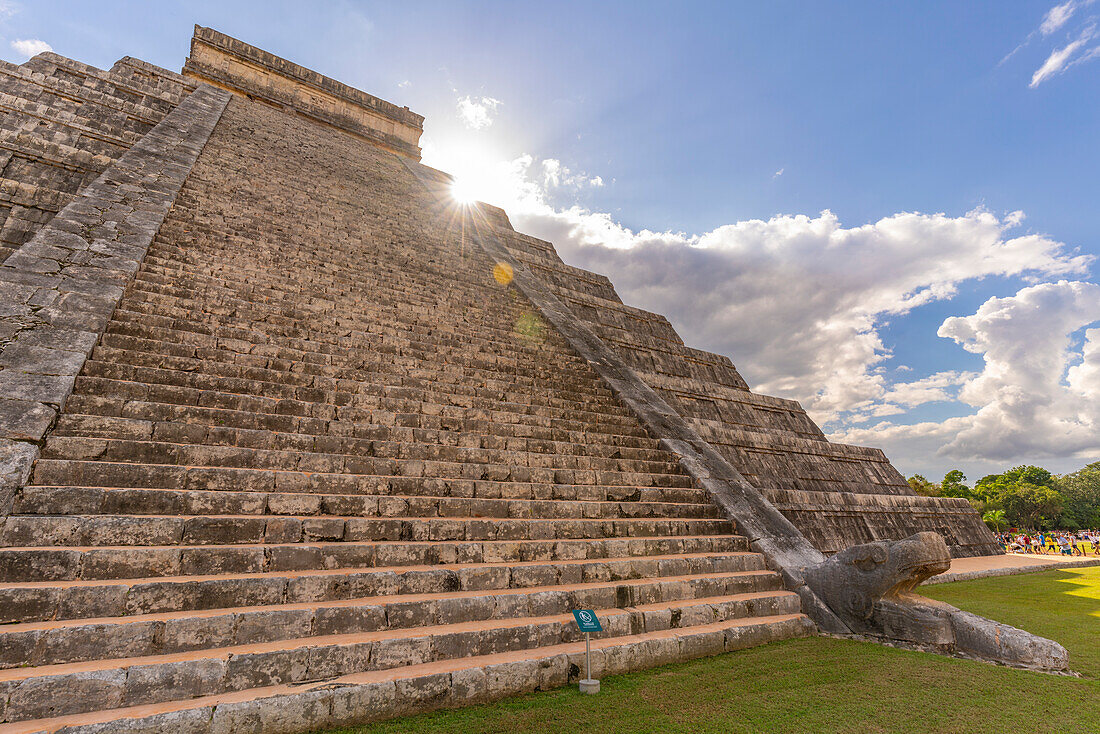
[[290, 439], [226, 62]]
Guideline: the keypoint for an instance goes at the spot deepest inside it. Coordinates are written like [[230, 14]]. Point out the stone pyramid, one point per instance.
[[280, 452]]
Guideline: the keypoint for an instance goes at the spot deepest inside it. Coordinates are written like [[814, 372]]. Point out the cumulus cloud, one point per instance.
[[477, 113], [1037, 397], [901, 397], [1038, 393], [30, 46]]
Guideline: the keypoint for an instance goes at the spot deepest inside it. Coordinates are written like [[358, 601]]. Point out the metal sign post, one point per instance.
[[588, 623]]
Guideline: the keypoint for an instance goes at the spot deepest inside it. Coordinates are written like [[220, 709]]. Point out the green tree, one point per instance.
[[923, 487], [1081, 491], [1031, 505], [995, 519], [954, 485]]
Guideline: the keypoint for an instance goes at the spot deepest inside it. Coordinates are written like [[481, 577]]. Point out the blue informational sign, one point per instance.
[[586, 620]]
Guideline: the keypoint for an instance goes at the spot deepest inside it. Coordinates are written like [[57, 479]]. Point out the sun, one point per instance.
[[463, 190]]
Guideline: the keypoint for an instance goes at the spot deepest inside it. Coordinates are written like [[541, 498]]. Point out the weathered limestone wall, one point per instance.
[[62, 123], [235, 65]]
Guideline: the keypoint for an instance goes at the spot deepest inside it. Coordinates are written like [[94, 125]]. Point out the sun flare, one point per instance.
[[463, 190]]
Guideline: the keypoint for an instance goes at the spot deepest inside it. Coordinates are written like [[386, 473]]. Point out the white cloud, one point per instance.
[[1055, 63], [1057, 16], [477, 113], [901, 397], [1038, 394], [557, 175], [30, 46], [1059, 60]]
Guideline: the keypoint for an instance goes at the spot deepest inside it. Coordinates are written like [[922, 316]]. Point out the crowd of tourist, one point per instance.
[[1065, 543]]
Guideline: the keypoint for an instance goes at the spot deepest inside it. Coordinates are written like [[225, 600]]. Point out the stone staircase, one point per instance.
[[62, 123], [323, 468]]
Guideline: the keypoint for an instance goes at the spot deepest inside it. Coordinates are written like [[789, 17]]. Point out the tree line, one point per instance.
[[1025, 497]]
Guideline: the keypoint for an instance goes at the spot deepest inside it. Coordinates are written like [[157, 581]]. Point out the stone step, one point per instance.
[[369, 476], [355, 379], [58, 600], [203, 304], [373, 441], [141, 77], [80, 640], [371, 458], [385, 425], [38, 500], [177, 258], [446, 385], [70, 163], [24, 564], [138, 530], [360, 698], [208, 429], [198, 289], [69, 473], [425, 416], [123, 85], [77, 688]]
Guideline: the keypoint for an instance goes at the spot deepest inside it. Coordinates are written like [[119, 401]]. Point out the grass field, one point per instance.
[[828, 685]]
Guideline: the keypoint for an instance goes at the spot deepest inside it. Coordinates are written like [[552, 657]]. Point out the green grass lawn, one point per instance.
[[828, 685]]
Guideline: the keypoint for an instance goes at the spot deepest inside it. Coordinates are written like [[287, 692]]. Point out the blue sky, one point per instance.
[[886, 212]]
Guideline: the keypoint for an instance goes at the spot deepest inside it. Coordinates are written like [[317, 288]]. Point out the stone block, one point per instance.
[[362, 703], [41, 360], [468, 685], [60, 695], [286, 714], [16, 462], [256, 670], [187, 721], [506, 679], [22, 420], [174, 681]]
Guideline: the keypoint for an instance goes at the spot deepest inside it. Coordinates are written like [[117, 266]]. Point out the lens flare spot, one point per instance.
[[530, 327], [502, 273]]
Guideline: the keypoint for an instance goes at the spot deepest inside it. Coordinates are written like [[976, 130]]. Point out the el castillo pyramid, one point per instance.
[[290, 439]]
